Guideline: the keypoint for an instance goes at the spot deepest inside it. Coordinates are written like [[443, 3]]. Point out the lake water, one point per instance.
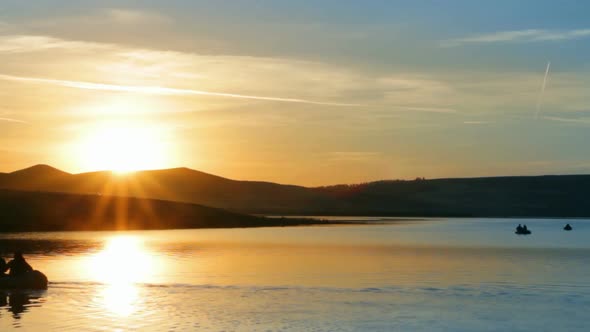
[[407, 275]]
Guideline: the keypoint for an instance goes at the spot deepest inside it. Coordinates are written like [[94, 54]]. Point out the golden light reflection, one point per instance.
[[124, 260], [120, 299], [123, 147], [122, 264]]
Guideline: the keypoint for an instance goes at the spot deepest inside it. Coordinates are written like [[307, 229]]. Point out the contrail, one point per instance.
[[159, 90], [540, 98]]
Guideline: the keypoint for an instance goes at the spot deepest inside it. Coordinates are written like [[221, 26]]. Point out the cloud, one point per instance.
[[418, 93], [476, 122], [4, 26], [235, 79], [430, 109], [133, 16], [112, 67], [353, 155], [96, 19], [158, 90], [519, 36], [569, 120], [12, 120], [31, 43]]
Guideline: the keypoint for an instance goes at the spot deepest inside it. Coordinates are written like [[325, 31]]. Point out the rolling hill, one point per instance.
[[178, 184], [518, 196]]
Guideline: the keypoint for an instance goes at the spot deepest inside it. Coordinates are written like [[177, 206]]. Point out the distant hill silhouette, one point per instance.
[[519, 196], [41, 211], [177, 184], [32, 177]]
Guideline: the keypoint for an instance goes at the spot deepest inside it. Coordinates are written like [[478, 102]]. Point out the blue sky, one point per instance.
[[384, 29], [386, 89]]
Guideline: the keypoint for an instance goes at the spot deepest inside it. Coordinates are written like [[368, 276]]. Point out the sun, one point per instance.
[[123, 147]]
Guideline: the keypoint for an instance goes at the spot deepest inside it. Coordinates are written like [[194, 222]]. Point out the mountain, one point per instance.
[[32, 177], [519, 196], [42, 211], [177, 184]]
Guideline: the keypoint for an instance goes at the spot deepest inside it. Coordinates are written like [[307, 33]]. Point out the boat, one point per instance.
[[567, 227], [523, 232], [30, 280]]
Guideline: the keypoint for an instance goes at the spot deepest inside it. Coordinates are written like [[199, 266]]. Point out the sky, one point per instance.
[[301, 92]]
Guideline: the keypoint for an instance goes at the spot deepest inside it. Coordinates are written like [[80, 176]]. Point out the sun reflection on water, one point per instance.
[[122, 264], [123, 260], [120, 299]]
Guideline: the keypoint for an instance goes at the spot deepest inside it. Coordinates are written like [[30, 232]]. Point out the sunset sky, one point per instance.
[[302, 92]]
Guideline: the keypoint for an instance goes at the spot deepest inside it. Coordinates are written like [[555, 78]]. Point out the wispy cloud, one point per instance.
[[86, 65], [158, 90], [4, 26], [90, 65], [12, 120], [31, 43], [475, 122], [134, 16], [430, 109], [569, 120], [519, 36], [353, 155]]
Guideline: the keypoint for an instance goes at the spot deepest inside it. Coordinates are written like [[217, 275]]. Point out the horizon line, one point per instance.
[[418, 178]]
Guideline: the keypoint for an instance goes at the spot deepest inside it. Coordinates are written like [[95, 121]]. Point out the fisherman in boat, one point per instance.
[[18, 265], [21, 275], [568, 227], [522, 230]]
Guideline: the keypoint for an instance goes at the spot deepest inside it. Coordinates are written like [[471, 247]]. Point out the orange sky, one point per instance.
[[303, 99]]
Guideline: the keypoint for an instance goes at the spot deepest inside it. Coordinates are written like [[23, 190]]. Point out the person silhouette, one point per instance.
[[18, 265], [3, 267], [519, 228], [524, 228]]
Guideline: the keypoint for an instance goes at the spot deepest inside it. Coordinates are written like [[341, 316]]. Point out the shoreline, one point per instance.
[[285, 221], [291, 223]]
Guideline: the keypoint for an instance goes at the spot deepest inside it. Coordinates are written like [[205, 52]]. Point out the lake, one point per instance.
[[393, 275]]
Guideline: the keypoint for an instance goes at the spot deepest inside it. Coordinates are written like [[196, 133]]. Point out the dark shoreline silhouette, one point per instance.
[[22, 211]]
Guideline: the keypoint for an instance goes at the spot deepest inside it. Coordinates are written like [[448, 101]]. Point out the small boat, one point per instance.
[[30, 280], [567, 227], [523, 232]]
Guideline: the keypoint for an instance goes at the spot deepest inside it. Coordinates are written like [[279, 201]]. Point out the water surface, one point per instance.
[[408, 275]]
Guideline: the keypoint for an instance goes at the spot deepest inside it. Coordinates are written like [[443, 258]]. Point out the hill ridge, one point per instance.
[[38, 168], [536, 195]]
